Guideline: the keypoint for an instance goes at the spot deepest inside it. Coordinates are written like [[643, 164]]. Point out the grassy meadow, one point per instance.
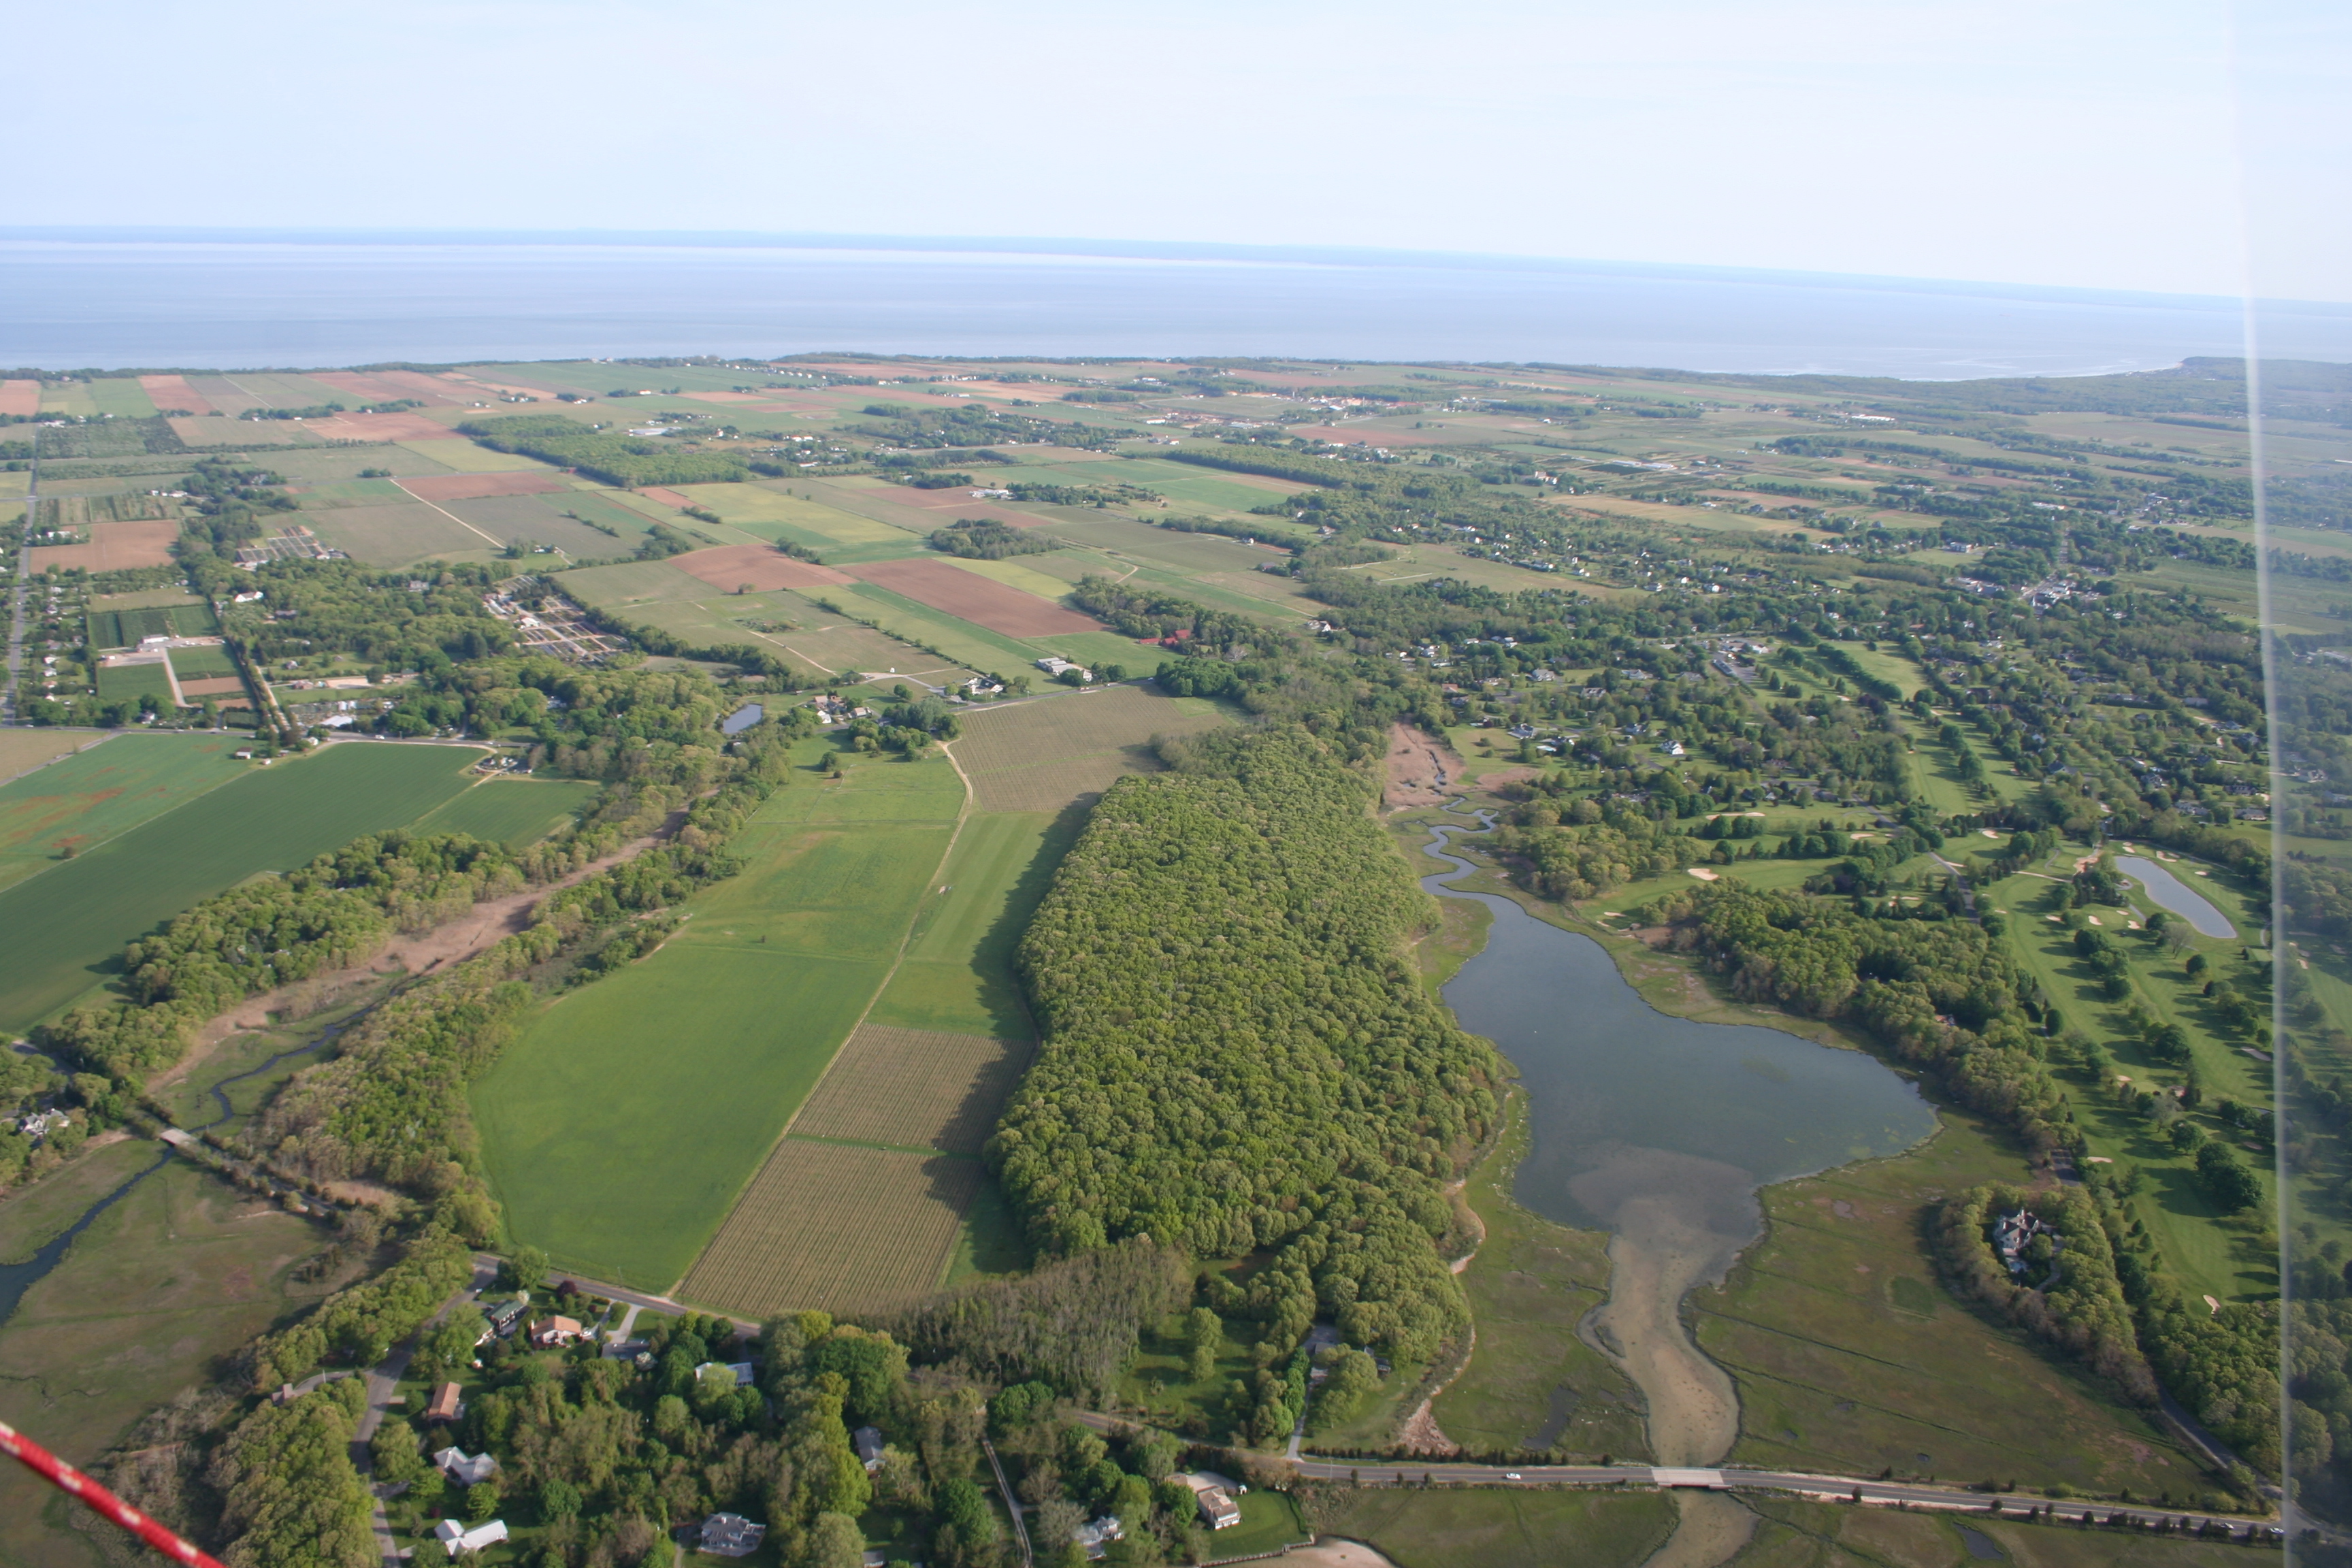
[[511, 811], [1851, 1357], [178, 1273]]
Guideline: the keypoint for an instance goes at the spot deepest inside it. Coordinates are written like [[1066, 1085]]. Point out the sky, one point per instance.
[[2083, 142]]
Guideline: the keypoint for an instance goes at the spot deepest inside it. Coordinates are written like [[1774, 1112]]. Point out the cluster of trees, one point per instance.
[[332, 913], [2070, 1298], [627, 461], [624, 721], [384, 618], [970, 425], [1073, 1323], [1898, 980], [229, 500], [1218, 972], [985, 538]]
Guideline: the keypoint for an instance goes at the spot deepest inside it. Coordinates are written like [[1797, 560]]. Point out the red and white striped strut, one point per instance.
[[74, 1484]]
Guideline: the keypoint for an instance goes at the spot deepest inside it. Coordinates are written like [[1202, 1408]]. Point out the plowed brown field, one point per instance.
[[112, 547], [732, 566], [975, 598], [173, 391], [474, 487]]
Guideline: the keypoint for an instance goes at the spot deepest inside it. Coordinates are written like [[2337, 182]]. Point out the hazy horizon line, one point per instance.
[[1148, 250]]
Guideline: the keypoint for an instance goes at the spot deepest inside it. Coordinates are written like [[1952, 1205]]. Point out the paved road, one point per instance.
[[382, 1383], [1385, 1472], [489, 1262], [23, 589]]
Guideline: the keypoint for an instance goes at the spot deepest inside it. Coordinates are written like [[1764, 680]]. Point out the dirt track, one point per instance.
[[475, 932]]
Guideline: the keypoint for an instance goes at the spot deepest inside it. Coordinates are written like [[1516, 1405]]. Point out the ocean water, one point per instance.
[[180, 302]]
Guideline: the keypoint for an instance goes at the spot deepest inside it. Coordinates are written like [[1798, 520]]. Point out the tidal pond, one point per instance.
[[1661, 1131]]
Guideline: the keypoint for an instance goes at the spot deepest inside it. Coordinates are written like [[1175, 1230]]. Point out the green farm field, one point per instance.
[[958, 974], [26, 751], [73, 919], [83, 801], [129, 682], [511, 811], [202, 663], [685, 1066], [1046, 754]]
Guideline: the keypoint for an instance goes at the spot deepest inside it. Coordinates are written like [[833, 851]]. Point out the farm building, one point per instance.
[[730, 1535]]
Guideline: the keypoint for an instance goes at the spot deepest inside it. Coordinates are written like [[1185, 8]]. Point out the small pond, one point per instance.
[[2176, 896]]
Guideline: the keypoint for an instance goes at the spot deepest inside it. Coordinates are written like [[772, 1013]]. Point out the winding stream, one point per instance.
[[16, 1278], [1661, 1131]]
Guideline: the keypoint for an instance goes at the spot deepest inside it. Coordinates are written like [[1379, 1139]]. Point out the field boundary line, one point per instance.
[[906, 940], [452, 516], [103, 736], [94, 848]]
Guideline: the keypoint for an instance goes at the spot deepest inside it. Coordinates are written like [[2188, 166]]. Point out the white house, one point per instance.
[[456, 1538], [465, 1472]]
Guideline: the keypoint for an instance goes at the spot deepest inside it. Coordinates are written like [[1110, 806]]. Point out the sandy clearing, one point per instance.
[[730, 566], [20, 398], [1422, 770], [969, 597]]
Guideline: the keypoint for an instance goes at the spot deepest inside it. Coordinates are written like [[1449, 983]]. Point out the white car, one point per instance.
[[1512, 1476]]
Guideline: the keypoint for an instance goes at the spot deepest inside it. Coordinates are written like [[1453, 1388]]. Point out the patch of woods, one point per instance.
[[1218, 971], [624, 461], [985, 539], [2089, 1297]]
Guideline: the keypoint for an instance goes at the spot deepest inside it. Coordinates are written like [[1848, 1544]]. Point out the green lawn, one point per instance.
[[618, 1130], [68, 924], [511, 811]]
